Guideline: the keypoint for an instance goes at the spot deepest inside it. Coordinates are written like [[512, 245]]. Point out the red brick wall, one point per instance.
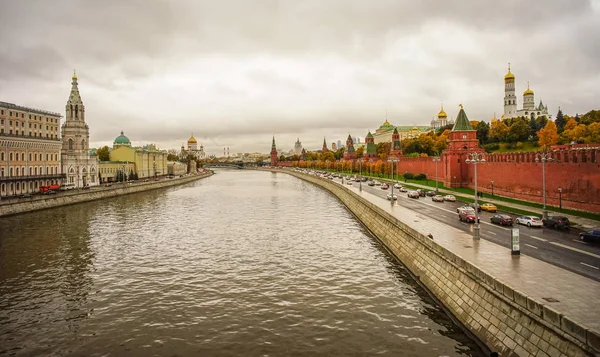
[[420, 165]]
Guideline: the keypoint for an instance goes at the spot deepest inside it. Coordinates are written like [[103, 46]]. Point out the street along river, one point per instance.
[[243, 263]]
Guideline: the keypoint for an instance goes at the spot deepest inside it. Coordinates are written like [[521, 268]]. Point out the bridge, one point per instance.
[[231, 164]]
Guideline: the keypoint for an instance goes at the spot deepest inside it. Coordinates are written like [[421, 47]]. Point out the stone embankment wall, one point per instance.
[[501, 317], [68, 198]]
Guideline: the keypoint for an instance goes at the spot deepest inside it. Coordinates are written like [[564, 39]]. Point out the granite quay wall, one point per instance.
[[68, 198], [503, 318]]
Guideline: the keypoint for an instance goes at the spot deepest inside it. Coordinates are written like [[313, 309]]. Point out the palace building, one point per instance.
[[384, 133], [529, 110], [30, 148]]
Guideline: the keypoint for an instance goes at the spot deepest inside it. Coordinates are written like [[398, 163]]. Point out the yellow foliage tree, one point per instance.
[[571, 124], [594, 132], [498, 130], [548, 135]]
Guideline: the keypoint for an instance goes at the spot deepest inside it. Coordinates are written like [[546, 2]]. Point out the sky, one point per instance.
[[235, 73]]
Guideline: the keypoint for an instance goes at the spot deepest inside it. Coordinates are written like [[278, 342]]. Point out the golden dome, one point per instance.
[[415, 128], [442, 114], [528, 91], [74, 75], [509, 75], [192, 140]]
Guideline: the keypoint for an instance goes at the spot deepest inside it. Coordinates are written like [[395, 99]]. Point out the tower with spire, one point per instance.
[[274, 157], [370, 148], [529, 109], [298, 147], [349, 153], [324, 148], [396, 149], [80, 168]]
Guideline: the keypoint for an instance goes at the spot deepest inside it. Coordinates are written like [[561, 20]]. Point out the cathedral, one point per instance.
[[192, 149], [80, 168], [529, 110], [442, 120]]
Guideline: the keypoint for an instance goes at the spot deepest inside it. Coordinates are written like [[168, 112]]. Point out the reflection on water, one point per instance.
[[242, 263]]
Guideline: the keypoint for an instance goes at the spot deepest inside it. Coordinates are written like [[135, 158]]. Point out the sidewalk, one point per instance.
[[571, 294], [581, 222]]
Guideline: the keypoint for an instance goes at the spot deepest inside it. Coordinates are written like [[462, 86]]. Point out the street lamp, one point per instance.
[[475, 158], [360, 174], [392, 159], [543, 157], [560, 197], [436, 159], [492, 188]]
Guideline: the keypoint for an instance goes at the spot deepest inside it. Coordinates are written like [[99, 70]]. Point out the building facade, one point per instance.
[[30, 147], [442, 120], [146, 161], [384, 133], [529, 110], [80, 168], [349, 153], [298, 147], [193, 149]]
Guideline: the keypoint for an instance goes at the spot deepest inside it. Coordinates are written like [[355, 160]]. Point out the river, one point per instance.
[[244, 263]]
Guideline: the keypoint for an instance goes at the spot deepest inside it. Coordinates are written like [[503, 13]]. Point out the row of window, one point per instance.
[[34, 156], [35, 135], [35, 125], [35, 117], [33, 171], [18, 187]]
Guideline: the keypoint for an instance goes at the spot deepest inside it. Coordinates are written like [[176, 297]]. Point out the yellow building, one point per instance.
[[384, 133], [109, 170], [147, 160], [176, 168]]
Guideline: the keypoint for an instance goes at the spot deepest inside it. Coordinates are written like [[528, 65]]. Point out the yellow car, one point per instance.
[[489, 207]]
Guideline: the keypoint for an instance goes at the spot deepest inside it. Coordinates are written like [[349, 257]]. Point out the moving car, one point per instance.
[[397, 185], [468, 215], [529, 221], [489, 207], [449, 198], [502, 219], [421, 192], [475, 206], [385, 186], [437, 198], [371, 183], [556, 222], [463, 207], [391, 197], [403, 189], [349, 182], [412, 194], [430, 193], [591, 236]]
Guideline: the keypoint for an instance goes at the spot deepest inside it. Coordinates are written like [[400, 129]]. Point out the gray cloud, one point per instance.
[[237, 72]]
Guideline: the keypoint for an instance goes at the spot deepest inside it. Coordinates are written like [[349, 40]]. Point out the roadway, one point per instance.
[[560, 248]]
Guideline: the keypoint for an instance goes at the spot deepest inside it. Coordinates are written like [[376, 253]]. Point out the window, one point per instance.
[[22, 156], [1, 156], [11, 156], [30, 157], [29, 116], [70, 144]]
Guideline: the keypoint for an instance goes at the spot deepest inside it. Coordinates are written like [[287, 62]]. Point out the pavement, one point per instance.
[[571, 294], [583, 223]]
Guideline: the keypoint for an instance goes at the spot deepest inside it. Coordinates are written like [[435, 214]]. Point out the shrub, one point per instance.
[[420, 177], [408, 176], [491, 147], [519, 145]]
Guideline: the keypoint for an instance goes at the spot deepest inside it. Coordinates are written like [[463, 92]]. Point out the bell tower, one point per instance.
[[274, 157], [462, 140]]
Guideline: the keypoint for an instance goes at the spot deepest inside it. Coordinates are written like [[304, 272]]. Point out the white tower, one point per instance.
[[80, 168], [528, 101], [510, 99]]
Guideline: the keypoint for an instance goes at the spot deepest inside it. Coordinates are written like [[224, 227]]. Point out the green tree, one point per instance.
[[130, 178], [103, 153], [520, 130], [360, 151], [483, 131], [339, 153], [593, 116], [560, 121]]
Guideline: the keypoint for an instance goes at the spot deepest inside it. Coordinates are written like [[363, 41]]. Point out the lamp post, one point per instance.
[[492, 188], [475, 158], [544, 157], [560, 197], [392, 159], [359, 174], [436, 159], [154, 166]]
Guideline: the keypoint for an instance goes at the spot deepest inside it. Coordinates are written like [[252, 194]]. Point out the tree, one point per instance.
[[571, 124], [548, 135], [130, 178], [327, 156], [519, 131], [594, 132], [360, 151], [103, 153], [578, 134], [593, 116], [560, 121], [483, 131], [498, 131]]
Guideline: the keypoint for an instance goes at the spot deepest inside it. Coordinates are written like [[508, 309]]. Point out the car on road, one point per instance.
[[377, 183], [50, 192], [475, 206], [468, 215], [437, 198], [529, 221], [349, 183], [385, 186], [489, 207], [397, 185], [463, 207], [502, 219], [403, 189], [450, 198], [391, 197], [371, 183], [590, 236], [430, 193], [412, 194], [556, 222], [25, 195]]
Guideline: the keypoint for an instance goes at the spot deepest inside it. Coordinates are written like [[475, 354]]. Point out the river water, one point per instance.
[[244, 263]]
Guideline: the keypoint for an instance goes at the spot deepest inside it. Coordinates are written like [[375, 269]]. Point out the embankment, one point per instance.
[[96, 193]]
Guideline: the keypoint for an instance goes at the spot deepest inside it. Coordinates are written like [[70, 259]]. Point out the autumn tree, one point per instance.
[[518, 131], [103, 153], [560, 121], [571, 124], [548, 135], [594, 132], [498, 131], [360, 151], [593, 116]]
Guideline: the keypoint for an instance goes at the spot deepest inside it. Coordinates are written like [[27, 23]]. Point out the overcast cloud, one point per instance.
[[237, 72]]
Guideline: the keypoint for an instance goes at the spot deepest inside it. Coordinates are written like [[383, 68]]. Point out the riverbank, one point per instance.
[[516, 305], [40, 202]]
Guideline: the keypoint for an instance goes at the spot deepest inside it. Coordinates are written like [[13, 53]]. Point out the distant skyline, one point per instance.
[[235, 73]]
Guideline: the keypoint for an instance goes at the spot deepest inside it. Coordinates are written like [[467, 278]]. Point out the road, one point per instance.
[[560, 248]]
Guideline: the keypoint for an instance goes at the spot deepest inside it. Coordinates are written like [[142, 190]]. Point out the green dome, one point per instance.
[[122, 140]]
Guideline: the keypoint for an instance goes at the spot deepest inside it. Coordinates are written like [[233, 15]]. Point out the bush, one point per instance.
[[420, 177], [519, 145], [491, 147], [408, 176], [510, 145]]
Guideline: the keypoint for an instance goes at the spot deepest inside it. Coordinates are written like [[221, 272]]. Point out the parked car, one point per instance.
[[397, 185], [391, 197], [377, 183], [556, 222], [371, 183], [489, 207], [591, 236], [437, 198], [502, 219], [385, 186], [403, 189], [450, 198], [349, 183], [412, 194], [468, 215], [430, 193], [529, 221]]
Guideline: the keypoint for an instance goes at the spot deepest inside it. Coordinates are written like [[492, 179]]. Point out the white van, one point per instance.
[[67, 186]]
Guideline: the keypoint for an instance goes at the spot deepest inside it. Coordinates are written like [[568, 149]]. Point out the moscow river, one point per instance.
[[244, 263]]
